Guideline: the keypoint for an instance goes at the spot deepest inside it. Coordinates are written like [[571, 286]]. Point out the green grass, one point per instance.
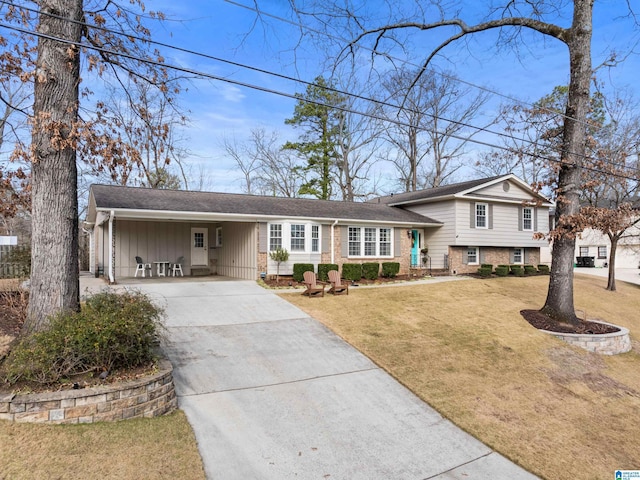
[[557, 410]]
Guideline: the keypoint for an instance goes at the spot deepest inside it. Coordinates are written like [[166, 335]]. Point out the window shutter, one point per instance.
[[519, 219], [465, 256], [481, 255], [473, 215], [263, 238], [511, 256], [535, 219], [344, 241], [396, 242], [490, 215], [526, 255], [325, 235]]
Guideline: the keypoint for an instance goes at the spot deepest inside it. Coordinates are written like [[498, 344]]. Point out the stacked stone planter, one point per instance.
[[150, 396], [605, 344]]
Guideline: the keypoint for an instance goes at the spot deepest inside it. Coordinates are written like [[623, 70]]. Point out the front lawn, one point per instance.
[[463, 347]]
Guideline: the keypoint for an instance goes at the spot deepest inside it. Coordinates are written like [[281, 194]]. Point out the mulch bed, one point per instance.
[[288, 281], [543, 322]]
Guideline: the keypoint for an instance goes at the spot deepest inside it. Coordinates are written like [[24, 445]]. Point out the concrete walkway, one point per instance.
[[629, 275], [273, 394]]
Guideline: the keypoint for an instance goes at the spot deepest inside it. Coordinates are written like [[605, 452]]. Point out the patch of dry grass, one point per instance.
[[557, 410], [158, 448]]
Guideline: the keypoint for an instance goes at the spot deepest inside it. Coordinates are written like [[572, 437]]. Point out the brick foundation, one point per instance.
[[493, 255]]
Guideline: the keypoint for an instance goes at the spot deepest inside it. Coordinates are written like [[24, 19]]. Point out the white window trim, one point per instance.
[[530, 209], [486, 215], [219, 236], [606, 252], [285, 232], [521, 262], [477, 249], [362, 242]]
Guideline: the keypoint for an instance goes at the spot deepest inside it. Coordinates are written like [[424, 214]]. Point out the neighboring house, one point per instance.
[[595, 244], [490, 220]]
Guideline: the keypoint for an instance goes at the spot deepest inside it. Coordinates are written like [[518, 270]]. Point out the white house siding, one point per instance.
[[152, 241], [627, 253], [505, 221], [515, 191], [438, 239], [237, 255]]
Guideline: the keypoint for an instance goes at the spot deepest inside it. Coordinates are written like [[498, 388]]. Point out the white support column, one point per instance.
[[112, 278]]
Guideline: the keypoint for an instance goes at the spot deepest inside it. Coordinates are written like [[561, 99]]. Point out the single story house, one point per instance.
[[491, 220]]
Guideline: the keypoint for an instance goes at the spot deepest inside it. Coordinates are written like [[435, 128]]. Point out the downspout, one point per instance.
[[333, 254], [112, 279]]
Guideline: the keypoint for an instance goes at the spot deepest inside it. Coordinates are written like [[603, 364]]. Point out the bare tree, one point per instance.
[[45, 49], [266, 168], [435, 114], [510, 20]]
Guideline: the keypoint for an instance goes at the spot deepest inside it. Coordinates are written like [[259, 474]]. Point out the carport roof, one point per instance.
[[161, 204]]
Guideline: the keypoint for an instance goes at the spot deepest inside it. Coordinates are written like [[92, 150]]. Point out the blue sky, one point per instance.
[[221, 29]]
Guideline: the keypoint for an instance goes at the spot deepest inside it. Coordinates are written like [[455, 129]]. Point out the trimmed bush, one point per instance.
[[502, 270], [111, 332], [390, 269], [530, 270], [352, 271], [299, 269], [487, 266], [370, 271], [484, 271], [517, 270], [544, 269], [323, 270]]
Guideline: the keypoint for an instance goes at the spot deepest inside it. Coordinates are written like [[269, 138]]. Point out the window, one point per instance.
[[527, 218], [518, 255], [602, 252], [584, 251], [198, 240], [481, 215], [297, 238], [369, 242], [385, 242], [219, 237], [472, 255], [315, 238], [354, 241], [275, 236]]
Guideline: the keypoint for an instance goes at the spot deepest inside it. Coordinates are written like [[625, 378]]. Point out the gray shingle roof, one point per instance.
[[133, 198], [443, 191]]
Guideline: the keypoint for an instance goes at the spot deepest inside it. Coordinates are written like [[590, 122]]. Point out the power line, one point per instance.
[[304, 82], [296, 97], [391, 57]]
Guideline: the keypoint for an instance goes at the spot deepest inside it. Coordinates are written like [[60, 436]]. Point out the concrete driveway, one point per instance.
[[273, 394]]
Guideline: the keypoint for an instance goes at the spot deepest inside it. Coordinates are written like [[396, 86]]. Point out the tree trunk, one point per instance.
[[611, 277], [54, 262], [559, 303]]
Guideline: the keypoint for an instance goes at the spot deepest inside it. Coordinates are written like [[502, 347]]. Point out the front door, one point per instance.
[[415, 248], [199, 247]]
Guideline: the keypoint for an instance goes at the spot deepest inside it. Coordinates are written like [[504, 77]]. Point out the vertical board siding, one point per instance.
[[237, 257]]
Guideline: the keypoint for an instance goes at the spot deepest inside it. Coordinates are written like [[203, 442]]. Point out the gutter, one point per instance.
[[333, 236], [112, 279]]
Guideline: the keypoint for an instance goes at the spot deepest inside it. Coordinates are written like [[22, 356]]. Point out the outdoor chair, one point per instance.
[[177, 267], [337, 286], [142, 267], [313, 287]]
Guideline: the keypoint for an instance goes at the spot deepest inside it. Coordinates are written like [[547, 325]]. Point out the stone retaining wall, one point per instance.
[[605, 344], [147, 397]]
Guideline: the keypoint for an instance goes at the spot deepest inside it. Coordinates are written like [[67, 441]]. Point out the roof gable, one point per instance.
[[489, 188]]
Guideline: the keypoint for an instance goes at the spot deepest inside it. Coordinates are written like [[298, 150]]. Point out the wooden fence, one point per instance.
[[10, 268]]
